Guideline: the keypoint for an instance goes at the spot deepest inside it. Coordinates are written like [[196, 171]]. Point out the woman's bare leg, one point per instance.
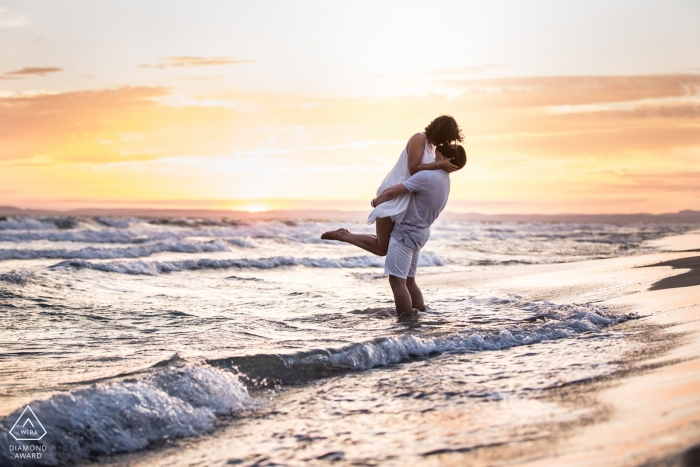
[[376, 245]]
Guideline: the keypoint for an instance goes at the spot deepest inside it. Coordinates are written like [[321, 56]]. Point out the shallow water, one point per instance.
[[122, 333]]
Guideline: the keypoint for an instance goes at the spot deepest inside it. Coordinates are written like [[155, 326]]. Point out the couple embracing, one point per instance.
[[408, 201]]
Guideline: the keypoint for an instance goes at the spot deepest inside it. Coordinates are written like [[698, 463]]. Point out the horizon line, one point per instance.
[[206, 212]]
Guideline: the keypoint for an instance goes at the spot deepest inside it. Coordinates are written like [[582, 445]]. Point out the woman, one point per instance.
[[418, 155]]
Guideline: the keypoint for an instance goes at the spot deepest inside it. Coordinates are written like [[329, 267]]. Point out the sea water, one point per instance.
[[267, 345]]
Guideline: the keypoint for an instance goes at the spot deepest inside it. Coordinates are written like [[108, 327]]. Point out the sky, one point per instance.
[[566, 106]]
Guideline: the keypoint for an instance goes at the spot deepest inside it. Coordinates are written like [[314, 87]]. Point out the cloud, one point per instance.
[[576, 90], [9, 19], [194, 61], [683, 111], [449, 73], [202, 78], [686, 181], [69, 125], [470, 70], [365, 144], [30, 71]]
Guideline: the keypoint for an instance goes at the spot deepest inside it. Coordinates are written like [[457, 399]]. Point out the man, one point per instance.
[[429, 190]]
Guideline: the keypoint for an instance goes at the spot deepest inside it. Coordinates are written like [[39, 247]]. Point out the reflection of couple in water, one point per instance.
[[408, 201]]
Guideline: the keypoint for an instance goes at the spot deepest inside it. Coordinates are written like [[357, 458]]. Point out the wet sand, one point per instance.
[[648, 412], [687, 279]]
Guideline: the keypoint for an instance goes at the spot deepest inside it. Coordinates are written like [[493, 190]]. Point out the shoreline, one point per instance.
[[648, 411]]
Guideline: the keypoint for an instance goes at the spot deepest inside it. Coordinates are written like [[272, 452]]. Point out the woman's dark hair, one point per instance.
[[443, 130], [455, 153]]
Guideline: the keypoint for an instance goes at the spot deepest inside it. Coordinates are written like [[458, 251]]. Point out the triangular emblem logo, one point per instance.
[[28, 427]]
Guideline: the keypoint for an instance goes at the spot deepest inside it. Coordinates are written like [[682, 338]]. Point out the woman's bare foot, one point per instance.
[[334, 234]]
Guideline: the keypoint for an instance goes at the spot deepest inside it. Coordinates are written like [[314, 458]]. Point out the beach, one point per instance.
[[650, 410], [190, 343], [645, 413]]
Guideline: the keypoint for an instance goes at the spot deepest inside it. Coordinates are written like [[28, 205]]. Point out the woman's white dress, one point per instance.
[[396, 208]]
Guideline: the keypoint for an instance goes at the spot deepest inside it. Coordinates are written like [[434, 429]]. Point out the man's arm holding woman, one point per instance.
[[389, 194], [417, 183]]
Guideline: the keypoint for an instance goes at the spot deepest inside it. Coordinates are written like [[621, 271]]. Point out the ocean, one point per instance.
[[186, 341]]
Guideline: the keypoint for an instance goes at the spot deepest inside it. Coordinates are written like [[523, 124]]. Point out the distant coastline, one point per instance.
[[681, 217]]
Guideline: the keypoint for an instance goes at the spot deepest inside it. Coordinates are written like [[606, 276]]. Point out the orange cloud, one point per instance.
[[69, 124], [465, 70], [193, 61], [29, 71], [576, 90], [456, 72]]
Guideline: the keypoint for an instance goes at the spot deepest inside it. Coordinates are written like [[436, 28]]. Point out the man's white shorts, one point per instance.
[[401, 261]]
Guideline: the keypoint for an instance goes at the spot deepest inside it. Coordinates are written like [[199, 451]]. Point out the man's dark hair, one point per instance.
[[455, 153], [443, 130]]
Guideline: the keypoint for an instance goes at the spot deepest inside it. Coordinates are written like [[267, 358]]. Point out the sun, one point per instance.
[[256, 208]]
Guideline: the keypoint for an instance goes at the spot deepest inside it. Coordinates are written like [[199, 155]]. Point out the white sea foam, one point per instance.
[[85, 236], [126, 252], [27, 223], [118, 236], [104, 419], [154, 267], [242, 242], [21, 277], [108, 230], [553, 322], [118, 222]]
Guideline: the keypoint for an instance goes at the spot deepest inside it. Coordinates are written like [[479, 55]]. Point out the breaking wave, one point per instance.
[[550, 321], [181, 400], [155, 267], [39, 223], [114, 236], [110, 253], [21, 277]]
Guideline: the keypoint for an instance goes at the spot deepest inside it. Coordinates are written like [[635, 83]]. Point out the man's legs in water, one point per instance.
[[401, 265], [416, 294], [407, 295], [402, 297]]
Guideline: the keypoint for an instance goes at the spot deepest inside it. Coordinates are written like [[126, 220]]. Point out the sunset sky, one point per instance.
[[566, 106]]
